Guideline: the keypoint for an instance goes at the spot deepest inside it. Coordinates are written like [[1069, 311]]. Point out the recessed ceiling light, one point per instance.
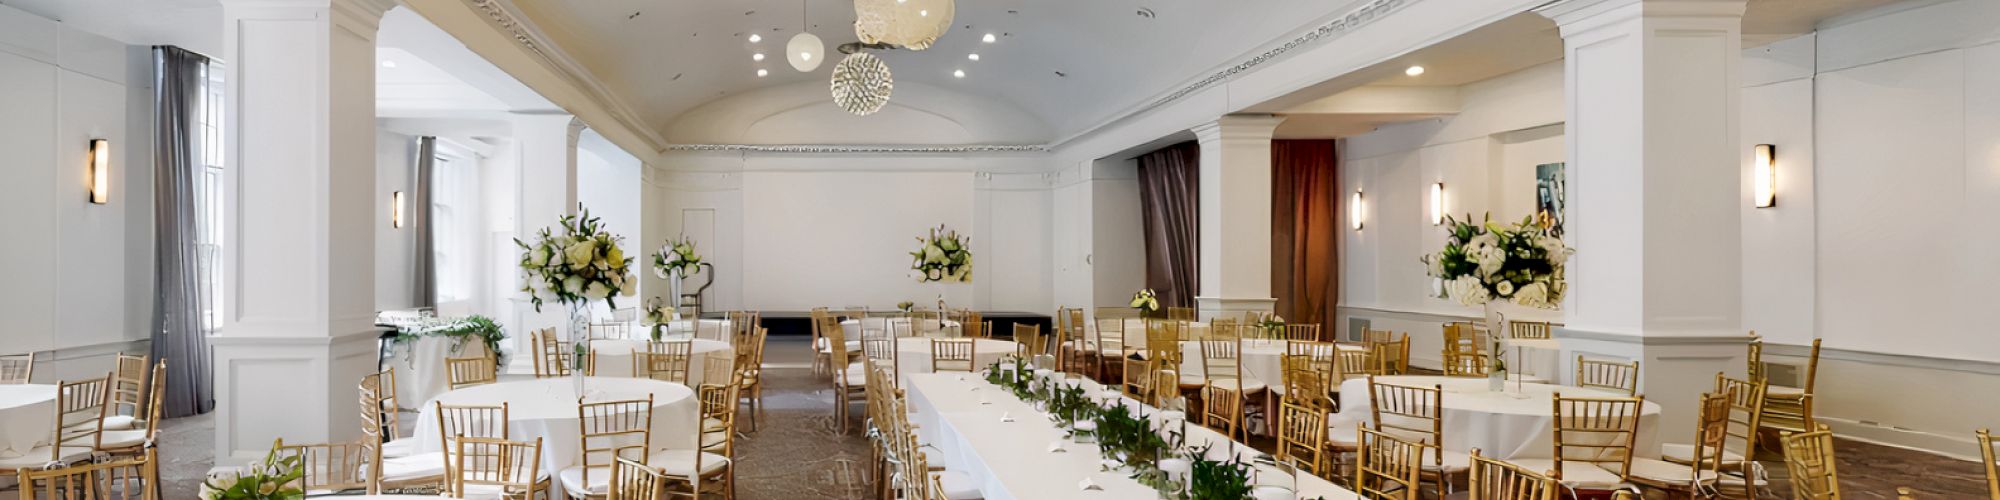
[[924, 13], [388, 64], [761, 73], [757, 56], [1414, 71], [989, 38], [754, 38], [974, 57], [958, 73]]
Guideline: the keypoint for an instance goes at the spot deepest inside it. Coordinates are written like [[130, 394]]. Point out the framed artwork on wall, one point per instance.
[[1551, 196]]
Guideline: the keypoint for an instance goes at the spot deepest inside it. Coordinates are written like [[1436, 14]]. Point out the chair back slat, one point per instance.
[[1609, 375], [133, 478], [1499, 480], [1386, 467], [1810, 459], [609, 426], [1302, 437], [17, 369], [468, 372], [1596, 431], [954, 355], [514, 466], [327, 467], [1412, 413]]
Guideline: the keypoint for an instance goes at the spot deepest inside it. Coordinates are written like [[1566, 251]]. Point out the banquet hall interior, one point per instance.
[[1031, 249]]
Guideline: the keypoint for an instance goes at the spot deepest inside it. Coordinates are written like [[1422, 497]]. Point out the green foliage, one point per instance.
[[1218, 480], [276, 478], [944, 256], [475, 326]]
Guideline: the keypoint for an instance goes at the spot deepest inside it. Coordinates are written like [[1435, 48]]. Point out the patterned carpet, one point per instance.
[[797, 451]]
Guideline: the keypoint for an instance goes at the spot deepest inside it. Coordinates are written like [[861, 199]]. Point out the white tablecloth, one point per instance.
[[27, 416], [852, 328], [1263, 361], [614, 357], [959, 415], [1501, 425], [914, 353], [421, 373], [546, 408]]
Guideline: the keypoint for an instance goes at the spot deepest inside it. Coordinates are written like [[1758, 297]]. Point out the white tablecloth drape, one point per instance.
[[614, 357], [852, 328], [421, 373], [960, 417], [914, 353], [1512, 425], [547, 409], [27, 416]]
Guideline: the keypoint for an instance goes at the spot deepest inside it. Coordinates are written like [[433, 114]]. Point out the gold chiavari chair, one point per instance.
[[1461, 364], [79, 418], [1222, 368], [1699, 477], [1222, 410], [1181, 313], [466, 421], [668, 361], [953, 355], [1746, 404], [879, 348], [1417, 414], [551, 355], [1393, 356], [973, 324], [329, 468], [850, 380], [1990, 457], [1371, 335], [618, 331], [1593, 442], [1137, 381], [1302, 332], [632, 479], [1302, 437], [17, 369], [606, 427], [135, 478], [1108, 347], [718, 418], [498, 469], [1786, 407], [1356, 364], [133, 442], [389, 472], [750, 376], [708, 468], [1219, 328], [128, 390], [1386, 467], [1809, 457], [822, 356], [1464, 337], [468, 372], [1306, 382], [1498, 480], [1611, 375], [1528, 329], [1028, 341]]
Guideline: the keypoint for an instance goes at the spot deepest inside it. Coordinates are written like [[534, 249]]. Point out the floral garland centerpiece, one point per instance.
[[483, 328], [575, 265], [944, 256]]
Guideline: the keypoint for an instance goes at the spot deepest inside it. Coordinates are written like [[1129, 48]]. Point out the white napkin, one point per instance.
[[1085, 425], [1088, 485], [1006, 418], [1056, 447]]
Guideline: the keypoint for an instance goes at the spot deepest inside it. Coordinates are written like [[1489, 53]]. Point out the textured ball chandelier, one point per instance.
[[911, 24], [862, 83]]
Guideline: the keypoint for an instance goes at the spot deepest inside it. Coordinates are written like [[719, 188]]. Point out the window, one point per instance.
[[210, 192], [449, 177]]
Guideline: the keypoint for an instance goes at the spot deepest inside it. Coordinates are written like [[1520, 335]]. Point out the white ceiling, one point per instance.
[[191, 24], [421, 71]]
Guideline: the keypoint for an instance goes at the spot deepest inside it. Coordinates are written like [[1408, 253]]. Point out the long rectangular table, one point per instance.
[[959, 417], [800, 322]]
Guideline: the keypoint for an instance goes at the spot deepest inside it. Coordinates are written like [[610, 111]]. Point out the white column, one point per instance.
[[1235, 206], [300, 277], [547, 189], [1652, 91]]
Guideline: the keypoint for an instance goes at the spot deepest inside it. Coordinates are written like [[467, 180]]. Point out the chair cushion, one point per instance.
[[572, 481], [399, 448], [957, 485], [122, 422], [1453, 461], [1579, 475], [1782, 391], [1238, 385], [39, 456], [112, 440], [826, 347], [489, 491], [1343, 434], [857, 376], [1684, 453], [413, 468], [681, 462]]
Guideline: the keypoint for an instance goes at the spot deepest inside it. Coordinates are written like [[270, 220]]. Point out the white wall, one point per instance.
[[394, 247], [80, 274], [1118, 234], [608, 183], [1486, 157]]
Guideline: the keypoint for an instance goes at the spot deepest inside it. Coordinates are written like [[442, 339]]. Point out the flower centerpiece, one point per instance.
[[575, 265], [677, 257], [1146, 302], [944, 256], [1273, 326], [657, 316], [1481, 263], [274, 478], [906, 306]]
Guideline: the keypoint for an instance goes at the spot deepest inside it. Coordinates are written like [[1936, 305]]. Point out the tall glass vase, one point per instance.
[[579, 336], [674, 293]]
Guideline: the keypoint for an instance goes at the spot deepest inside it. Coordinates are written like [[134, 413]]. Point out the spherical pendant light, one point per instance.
[[861, 84], [912, 24], [805, 51]]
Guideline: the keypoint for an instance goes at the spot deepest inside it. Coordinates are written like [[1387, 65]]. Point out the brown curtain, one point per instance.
[[1304, 263], [1169, 201]]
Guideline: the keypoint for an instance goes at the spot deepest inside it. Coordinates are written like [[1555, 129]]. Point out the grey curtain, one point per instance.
[[179, 336], [424, 270], [1169, 201]]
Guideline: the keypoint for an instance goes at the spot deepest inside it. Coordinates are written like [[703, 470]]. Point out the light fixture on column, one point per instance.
[[396, 210], [100, 171], [1437, 204], [1355, 211], [1764, 173]]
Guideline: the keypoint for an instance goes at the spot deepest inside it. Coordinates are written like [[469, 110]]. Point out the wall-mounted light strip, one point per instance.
[[1354, 210], [396, 210], [1437, 204], [1764, 176], [100, 171]]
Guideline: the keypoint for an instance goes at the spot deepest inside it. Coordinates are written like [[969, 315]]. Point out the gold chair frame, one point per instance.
[[1609, 375], [611, 424], [1492, 479], [327, 467], [135, 478], [1809, 457], [514, 466], [468, 372], [1386, 467]]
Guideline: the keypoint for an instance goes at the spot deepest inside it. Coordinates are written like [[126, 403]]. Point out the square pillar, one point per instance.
[[546, 188], [300, 330], [1652, 94], [1235, 206]]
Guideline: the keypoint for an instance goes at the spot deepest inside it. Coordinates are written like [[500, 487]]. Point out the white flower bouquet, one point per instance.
[[579, 264], [1481, 263], [1145, 301], [678, 255], [944, 256]]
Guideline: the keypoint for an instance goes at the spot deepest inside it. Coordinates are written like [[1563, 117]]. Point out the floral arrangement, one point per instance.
[[1273, 326], [274, 478], [906, 306], [944, 256], [656, 315], [677, 256], [1481, 263], [475, 326], [1146, 302], [579, 264]]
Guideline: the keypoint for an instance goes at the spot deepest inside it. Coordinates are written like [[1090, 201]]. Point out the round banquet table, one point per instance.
[[1263, 361], [546, 408], [27, 416], [852, 328], [420, 365], [913, 354], [1502, 425], [614, 357]]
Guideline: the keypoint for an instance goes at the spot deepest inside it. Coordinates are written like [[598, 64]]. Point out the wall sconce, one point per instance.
[[1437, 204], [1764, 174], [100, 171], [1354, 215], [396, 211]]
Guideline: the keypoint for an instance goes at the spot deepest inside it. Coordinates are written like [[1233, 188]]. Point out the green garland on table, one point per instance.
[[1218, 480], [481, 327]]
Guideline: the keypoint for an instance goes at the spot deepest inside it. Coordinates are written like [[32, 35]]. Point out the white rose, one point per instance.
[[1533, 295], [1467, 291], [1490, 260], [628, 291], [1505, 288], [597, 290], [573, 285]]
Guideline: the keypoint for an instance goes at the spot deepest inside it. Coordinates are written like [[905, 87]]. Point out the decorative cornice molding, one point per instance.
[[504, 16], [861, 149]]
